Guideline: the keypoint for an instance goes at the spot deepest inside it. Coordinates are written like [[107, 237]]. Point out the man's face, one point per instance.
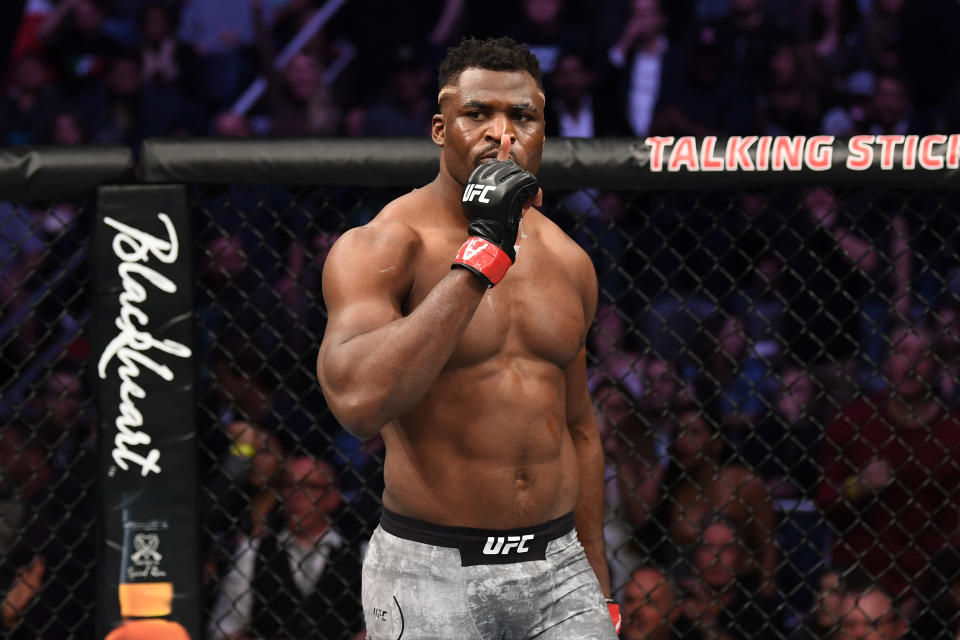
[[308, 491], [869, 616], [694, 444], [302, 77], [478, 109], [718, 556], [910, 367], [226, 257], [572, 78], [661, 383], [890, 101], [830, 600], [733, 340], [87, 16], [613, 407], [647, 606], [647, 18], [124, 78], [796, 394]]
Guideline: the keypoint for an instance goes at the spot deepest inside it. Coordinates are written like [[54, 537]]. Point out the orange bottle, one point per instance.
[[146, 599]]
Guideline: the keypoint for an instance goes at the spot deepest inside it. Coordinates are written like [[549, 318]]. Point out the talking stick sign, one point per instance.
[[148, 575]]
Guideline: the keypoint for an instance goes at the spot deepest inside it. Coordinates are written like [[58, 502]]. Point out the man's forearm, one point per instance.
[[380, 375], [589, 510]]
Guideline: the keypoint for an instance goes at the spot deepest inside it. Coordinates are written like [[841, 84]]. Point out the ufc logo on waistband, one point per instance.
[[498, 545], [477, 192]]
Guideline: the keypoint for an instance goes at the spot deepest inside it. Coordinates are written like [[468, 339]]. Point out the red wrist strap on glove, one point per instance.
[[614, 608], [483, 258]]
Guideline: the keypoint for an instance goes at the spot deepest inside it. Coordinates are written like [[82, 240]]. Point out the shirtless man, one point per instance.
[[475, 376]]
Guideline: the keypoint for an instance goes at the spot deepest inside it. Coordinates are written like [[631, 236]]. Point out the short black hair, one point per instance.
[[495, 54]]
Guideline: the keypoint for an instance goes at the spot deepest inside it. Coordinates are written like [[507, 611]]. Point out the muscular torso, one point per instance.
[[488, 446]]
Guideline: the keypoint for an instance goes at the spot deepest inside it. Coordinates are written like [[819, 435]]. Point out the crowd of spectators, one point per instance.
[[122, 70], [776, 373]]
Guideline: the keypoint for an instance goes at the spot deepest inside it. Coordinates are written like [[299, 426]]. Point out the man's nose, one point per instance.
[[499, 125]]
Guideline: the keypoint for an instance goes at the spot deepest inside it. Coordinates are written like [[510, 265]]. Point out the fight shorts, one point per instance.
[[424, 581]]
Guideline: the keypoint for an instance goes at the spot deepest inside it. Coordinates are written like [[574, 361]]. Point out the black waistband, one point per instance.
[[481, 546]]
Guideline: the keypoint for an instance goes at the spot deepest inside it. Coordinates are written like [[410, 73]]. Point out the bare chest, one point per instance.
[[535, 312]]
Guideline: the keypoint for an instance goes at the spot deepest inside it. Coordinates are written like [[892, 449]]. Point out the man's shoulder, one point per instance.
[[559, 241], [393, 228]]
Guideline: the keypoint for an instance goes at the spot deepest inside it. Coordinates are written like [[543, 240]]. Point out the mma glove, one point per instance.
[[493, 201], [614, 608]]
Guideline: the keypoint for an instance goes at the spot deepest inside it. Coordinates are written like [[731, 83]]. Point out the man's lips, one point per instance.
[[491, 156]]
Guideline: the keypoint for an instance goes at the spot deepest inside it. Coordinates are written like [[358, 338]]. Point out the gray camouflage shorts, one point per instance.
[[428, 582]]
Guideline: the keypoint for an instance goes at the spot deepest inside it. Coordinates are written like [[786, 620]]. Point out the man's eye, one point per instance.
[[523, 117], [474, 115]]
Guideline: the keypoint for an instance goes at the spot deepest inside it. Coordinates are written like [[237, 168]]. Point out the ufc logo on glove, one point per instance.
[[477, 192]]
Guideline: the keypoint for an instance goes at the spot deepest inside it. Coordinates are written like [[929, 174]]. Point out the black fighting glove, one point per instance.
[[492, 201]]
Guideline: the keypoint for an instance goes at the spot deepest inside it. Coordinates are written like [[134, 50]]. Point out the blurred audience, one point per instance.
[[891, 105], [938, 616], [692, 67], [724, 597], [577, 109], [221, 35], [727, 376], [27, 109], [301, 581], [301, 104], [650, 608], [162, 57], [792, 102], [783, 448], [705, 96], [890, 479], [821, 623], [543, 25], [407, 108], [869, 613], [832, 27], [633, 476], [77, 44], [639, 63], [946, 325], [688, 490], [699, 482], [748, 37], [57, 549]]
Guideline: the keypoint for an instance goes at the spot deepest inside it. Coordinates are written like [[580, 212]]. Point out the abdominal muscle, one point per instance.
[[488, 447]]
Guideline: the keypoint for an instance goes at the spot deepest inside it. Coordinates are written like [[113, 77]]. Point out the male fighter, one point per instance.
[[457, 331]]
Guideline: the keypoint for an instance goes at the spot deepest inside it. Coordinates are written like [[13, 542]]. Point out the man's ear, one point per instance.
[[437, 130]]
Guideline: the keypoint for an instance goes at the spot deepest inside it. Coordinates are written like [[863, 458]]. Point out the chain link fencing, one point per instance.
[[48, 511], [776, 374]]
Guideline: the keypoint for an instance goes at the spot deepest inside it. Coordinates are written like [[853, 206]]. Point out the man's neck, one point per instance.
[[449, 192], [310, 534]]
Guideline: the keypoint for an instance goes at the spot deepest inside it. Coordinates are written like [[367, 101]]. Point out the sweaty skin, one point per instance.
[[480, 394]]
